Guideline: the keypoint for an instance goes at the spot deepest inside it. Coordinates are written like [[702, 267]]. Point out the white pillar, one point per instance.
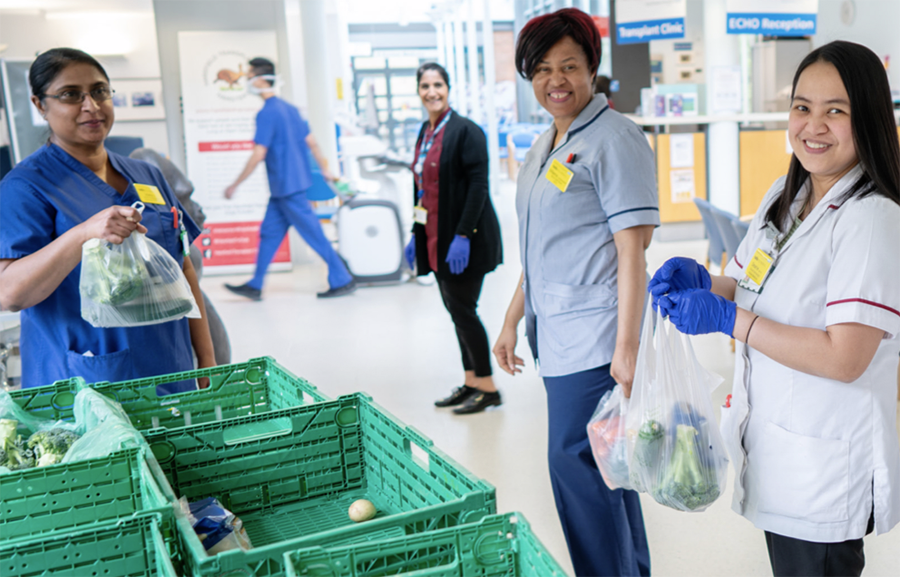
[[472, 46], [320, 108], [721, 49], [462, 102], [490, 79], [441, 44], [450, 63]]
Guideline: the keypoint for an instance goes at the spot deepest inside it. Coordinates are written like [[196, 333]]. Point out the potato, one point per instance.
[[361, 510]]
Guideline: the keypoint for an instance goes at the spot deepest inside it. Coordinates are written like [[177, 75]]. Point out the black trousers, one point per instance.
[[797, 558], [461, 300]]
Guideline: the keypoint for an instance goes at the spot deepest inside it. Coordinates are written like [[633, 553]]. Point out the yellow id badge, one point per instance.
[[149, 194], [559, 175], [757, 271], [420, 215]]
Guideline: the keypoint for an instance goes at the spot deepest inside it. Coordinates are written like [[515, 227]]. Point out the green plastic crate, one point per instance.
[[255, 386], [67, 496], [496, 546], [291, 477], [129, 548]]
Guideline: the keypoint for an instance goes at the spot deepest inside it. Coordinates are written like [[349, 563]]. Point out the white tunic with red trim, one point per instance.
[[815, 457]]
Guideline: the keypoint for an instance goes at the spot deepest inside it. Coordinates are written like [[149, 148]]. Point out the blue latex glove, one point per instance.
[[458, 254], [678, 274], [699, 311], [410, 253]]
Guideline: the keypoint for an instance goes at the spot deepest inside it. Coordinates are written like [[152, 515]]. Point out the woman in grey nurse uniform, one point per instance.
[[587, 206]]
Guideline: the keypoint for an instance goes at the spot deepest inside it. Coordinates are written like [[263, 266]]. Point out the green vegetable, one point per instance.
[[50, 446], [116, 276], [688, 484], [648, 452], [14, 455]]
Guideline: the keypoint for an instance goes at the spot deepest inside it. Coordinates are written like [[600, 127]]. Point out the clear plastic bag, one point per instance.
[[101, 427], [27, 441], [106, 428], [606, 433], [132, 284], [675, 451]]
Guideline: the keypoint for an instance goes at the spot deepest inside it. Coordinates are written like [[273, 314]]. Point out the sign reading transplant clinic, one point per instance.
[[772, 17], [645, 20]]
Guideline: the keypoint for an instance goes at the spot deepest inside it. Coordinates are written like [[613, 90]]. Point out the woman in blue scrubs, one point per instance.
[[587, 205], [72, 190]]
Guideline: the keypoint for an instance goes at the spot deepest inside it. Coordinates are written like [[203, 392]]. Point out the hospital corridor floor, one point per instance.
[[397, 343]]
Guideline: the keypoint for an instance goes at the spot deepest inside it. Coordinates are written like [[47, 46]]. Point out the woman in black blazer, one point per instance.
[[456, 233]]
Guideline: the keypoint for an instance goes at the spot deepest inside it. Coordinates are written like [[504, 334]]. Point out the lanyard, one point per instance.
[[423, 152], [780, 243]]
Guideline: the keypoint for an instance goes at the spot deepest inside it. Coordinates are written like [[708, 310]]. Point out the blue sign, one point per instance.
[[772, 24], [637, 32]]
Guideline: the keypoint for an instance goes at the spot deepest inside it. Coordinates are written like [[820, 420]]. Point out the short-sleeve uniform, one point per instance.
[[281, 129], [43, 197], [566, 238], [814, 456]]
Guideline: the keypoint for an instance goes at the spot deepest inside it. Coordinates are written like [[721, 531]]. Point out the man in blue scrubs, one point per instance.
[[283, 140]]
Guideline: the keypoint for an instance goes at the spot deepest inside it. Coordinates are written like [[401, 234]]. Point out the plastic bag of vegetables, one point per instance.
[[675, 451], [606, 433], [101, 427], [132, 284]]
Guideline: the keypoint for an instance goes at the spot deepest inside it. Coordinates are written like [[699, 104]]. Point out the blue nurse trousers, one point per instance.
[[604, 529], [295, 210]]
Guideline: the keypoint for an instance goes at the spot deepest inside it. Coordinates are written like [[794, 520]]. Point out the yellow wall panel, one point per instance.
[[764, 158], [670, 211]]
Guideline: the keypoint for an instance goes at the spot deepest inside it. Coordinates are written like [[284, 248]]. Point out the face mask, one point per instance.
[[253, 89]]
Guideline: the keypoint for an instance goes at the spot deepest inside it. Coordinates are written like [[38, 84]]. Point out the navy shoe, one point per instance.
[[340, 291], [479, 402], [244, 290]]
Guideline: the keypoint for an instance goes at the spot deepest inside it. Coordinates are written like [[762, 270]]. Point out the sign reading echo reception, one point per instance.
[[645, 20], [772, 17]]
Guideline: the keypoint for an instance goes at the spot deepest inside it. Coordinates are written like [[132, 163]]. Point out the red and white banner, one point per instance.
[[219, 124]]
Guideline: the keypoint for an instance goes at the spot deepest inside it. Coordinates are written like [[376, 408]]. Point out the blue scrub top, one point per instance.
[[44, 196], [566, 240], [281, 129]]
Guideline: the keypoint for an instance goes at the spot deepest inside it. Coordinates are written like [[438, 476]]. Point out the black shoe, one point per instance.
[[244, 290], [457, 397], [339, 291], [479, 402]]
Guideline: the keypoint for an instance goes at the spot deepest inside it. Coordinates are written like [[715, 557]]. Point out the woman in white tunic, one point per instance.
[[813, 293]]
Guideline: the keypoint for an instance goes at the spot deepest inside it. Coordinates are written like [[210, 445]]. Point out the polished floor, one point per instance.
[[397, 344]]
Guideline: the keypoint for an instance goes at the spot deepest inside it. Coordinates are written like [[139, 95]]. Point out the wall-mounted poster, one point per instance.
[[645, 20], [137, 99], [219, 125]]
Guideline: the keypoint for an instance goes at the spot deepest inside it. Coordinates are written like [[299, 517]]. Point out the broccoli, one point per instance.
[[648, 452], [116, 276], [50, 446], [688, 484]]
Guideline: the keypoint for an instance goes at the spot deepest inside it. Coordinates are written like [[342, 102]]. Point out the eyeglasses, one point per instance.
[[99, 94]]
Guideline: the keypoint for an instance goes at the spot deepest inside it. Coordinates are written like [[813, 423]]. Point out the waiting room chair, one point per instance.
[[123, 145], [716, 251], [730, 238]]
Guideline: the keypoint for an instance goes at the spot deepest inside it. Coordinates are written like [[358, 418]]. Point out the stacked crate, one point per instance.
[[289, 462]]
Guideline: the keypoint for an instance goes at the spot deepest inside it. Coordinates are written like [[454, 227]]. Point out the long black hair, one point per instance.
[[49, 64], [872, 123]]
